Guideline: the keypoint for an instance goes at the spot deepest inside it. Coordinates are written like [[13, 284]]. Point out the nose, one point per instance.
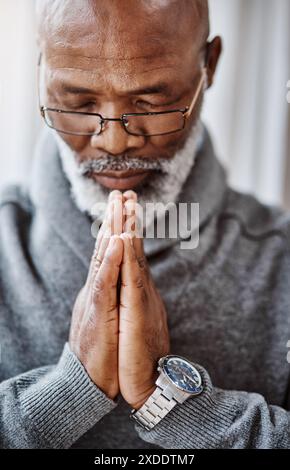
[[115, 140]]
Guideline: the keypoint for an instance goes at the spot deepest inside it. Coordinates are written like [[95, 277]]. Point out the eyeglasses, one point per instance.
[[139, 124]]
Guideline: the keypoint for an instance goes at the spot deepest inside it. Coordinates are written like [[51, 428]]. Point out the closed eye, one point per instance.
[[88, 106], [151, 106]]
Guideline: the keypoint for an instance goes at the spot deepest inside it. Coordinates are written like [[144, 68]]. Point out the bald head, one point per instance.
[[163, 20]]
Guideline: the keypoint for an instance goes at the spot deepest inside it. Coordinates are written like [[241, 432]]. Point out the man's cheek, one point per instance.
[[76, 143], [166, 146]]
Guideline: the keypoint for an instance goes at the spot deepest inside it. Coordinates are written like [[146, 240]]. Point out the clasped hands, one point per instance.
[[119, 324]]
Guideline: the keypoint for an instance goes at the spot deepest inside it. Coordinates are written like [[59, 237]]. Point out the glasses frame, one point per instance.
[[186, 112]]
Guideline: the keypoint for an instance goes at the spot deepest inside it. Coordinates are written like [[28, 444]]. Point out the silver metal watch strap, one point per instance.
[[156, 407]]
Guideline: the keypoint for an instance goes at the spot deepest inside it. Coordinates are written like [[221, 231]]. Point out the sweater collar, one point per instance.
[[50, 194]]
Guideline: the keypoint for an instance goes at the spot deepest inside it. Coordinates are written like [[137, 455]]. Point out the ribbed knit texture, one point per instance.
[[63, 392], [219, 419], [57, 404], [209, 412]]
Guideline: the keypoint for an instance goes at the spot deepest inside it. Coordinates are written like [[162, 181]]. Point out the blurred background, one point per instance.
[[246, 111]]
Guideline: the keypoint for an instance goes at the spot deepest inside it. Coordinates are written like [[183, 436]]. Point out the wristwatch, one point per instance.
[[177, 381]]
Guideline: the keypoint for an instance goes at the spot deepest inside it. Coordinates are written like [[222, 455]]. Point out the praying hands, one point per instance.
[[119, 324]]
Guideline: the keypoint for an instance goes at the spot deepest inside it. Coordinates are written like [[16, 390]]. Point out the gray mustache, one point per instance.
[[125, 162]]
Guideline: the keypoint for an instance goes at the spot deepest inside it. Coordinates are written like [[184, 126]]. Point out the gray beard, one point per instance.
[[163, 186]]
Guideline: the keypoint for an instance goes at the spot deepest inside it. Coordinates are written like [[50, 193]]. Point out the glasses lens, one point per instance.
[[71, 123], [156, 124]]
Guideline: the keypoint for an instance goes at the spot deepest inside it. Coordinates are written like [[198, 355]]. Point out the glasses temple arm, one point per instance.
[[198, 90]]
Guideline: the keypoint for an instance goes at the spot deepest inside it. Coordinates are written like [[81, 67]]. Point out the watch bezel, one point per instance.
[[161, 368]]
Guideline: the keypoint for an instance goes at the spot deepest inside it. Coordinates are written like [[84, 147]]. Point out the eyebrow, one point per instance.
[[75, 90], [160, 88]]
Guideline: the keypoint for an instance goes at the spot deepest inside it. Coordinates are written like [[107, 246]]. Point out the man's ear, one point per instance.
[[213, 53]]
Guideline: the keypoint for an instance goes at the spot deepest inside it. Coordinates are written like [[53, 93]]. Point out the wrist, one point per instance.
[[140, 403], [178, 380], [148, 392]]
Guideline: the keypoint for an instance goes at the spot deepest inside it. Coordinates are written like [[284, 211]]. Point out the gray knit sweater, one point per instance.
[[228, 304]]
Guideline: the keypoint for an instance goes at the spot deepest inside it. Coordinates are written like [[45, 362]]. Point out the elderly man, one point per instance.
[[189, 343]]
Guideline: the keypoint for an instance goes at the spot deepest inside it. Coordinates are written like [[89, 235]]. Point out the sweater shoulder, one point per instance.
[[16, 195], [16, 207], [16, 211], [255, 218]]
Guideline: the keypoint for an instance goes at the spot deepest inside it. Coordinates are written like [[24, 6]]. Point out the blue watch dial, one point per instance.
[[182, 374]]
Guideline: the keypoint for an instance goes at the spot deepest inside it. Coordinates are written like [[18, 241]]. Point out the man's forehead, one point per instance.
[[118, 59], [120, 43], [124, 77], [116, 28], [90, 59]]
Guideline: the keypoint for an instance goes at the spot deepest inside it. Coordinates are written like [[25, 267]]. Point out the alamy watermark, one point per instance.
[[173, 221]]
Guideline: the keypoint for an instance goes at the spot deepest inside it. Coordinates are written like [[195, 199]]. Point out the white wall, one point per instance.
[[18, 104], [246, 110]]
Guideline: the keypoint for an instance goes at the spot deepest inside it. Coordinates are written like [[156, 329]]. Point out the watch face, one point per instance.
[[182, 374]]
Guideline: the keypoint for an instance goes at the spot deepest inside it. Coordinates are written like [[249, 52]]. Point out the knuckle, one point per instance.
[[95, 254], [139, 282], [98, 263], [98, 288], [144, 296], [111, 309], [142, 262], [92, 320], [96, 268], [95, 263], [141, 294]]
